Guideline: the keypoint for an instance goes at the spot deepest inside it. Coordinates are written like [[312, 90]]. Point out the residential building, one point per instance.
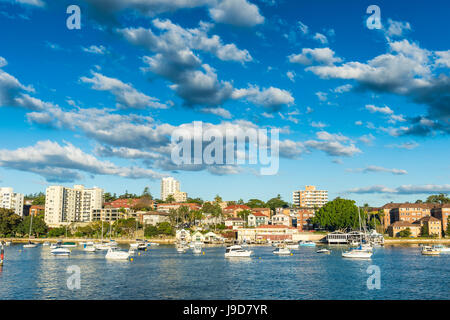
[[310, 197], [433, 225], [122, 203], [282, 219], [166, 207], [395, 228], [106, 214], [300, 216], [234, 223], [197, 237], [257, 219], [264, 211], [183, 235], [66, 205], [442, 212], [234, 209], [170, 186], [11, 200], [266, 232], [153, 218], [410, 212], [36, 210]]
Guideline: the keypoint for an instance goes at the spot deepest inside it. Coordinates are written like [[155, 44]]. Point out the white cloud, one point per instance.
[[321, 38], [404, 189], [271, 98], [62, 163], [221, 112], [303, 27], [125, 94], [406, 145], [367, 139], [291, 75], [308, 56], [379, 169], [236, 12], [95, 49], [343, 88], [397, 28], [333, 144], [36, 3], [318, 124], [383, 110], [322, 96]]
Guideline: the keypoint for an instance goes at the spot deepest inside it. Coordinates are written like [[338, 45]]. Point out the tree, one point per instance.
[[337, 215], [38, 227], [195, 200], [218, 199], [244, 215], [108, 197], [9, 222], [438, 198], [144, 203], [146, 193], [405, 233], [39, 201], [56, 232], [424, 232], [170, 198], [447, 232], [256, 203], [276, 202]]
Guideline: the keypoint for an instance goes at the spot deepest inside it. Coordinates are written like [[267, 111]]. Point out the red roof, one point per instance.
[[258, 214], [271, 226]]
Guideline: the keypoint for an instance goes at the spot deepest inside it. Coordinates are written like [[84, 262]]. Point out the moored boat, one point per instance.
[[307, 244], [324, 250], [236, 251], [114, 254], [60, 251], [430, 251], [357, 253], [282, 251]]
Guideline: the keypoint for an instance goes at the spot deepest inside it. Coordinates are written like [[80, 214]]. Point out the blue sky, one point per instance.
[[363, 113]]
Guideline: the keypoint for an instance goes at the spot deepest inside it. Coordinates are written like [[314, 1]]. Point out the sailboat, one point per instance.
[[30, 244], [359, 252]]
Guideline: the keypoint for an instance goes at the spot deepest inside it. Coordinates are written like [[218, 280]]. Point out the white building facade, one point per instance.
[[170, 186], [66, 205], [11, 200], [310, 197]]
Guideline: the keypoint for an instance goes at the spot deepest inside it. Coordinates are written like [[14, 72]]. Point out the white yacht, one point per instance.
[[441, 248], [282, 251], [114, 254], [291, 245], [323, 250], [197, 249], [89, 247], [60, 251], [307, 244], [30, 245], [358, 253], [237, 251], [430, 251]]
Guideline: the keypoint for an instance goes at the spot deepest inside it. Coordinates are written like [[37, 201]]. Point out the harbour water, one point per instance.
[[162, 273]]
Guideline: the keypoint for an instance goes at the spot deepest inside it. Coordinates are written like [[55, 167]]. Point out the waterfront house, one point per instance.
[[433, 225], [166, 207], [153, 217], [183, 235], [281, 219], [197, 237], [234, 223], [442, 212], [395, 228], [266, 232], [211, 237], [256, 219]]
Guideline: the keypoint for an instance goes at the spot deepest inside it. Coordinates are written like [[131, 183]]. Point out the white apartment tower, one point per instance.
[[11, 200], [170, 186], [65, 205], [310, 197]]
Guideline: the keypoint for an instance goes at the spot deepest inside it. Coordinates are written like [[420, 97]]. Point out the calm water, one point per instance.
[[162, 273]]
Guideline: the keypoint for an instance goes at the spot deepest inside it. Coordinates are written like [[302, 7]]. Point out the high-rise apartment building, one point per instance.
[[11, 200], [310, 197], [170, 186], [65, 205]]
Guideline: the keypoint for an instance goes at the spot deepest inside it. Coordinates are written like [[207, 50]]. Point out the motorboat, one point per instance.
[[324, 250], [115, 254], [7, 243], [358, 253], [105, 245], [60, 251], [282, 251], [46, 244], [30, 245], [441, 248], [181, 248], [307, 244], [153, 244], [197, 249], [366, 247], [237, 251], [291, 245], [89, 248], [68, 245], [56, 245], [430, 251]]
